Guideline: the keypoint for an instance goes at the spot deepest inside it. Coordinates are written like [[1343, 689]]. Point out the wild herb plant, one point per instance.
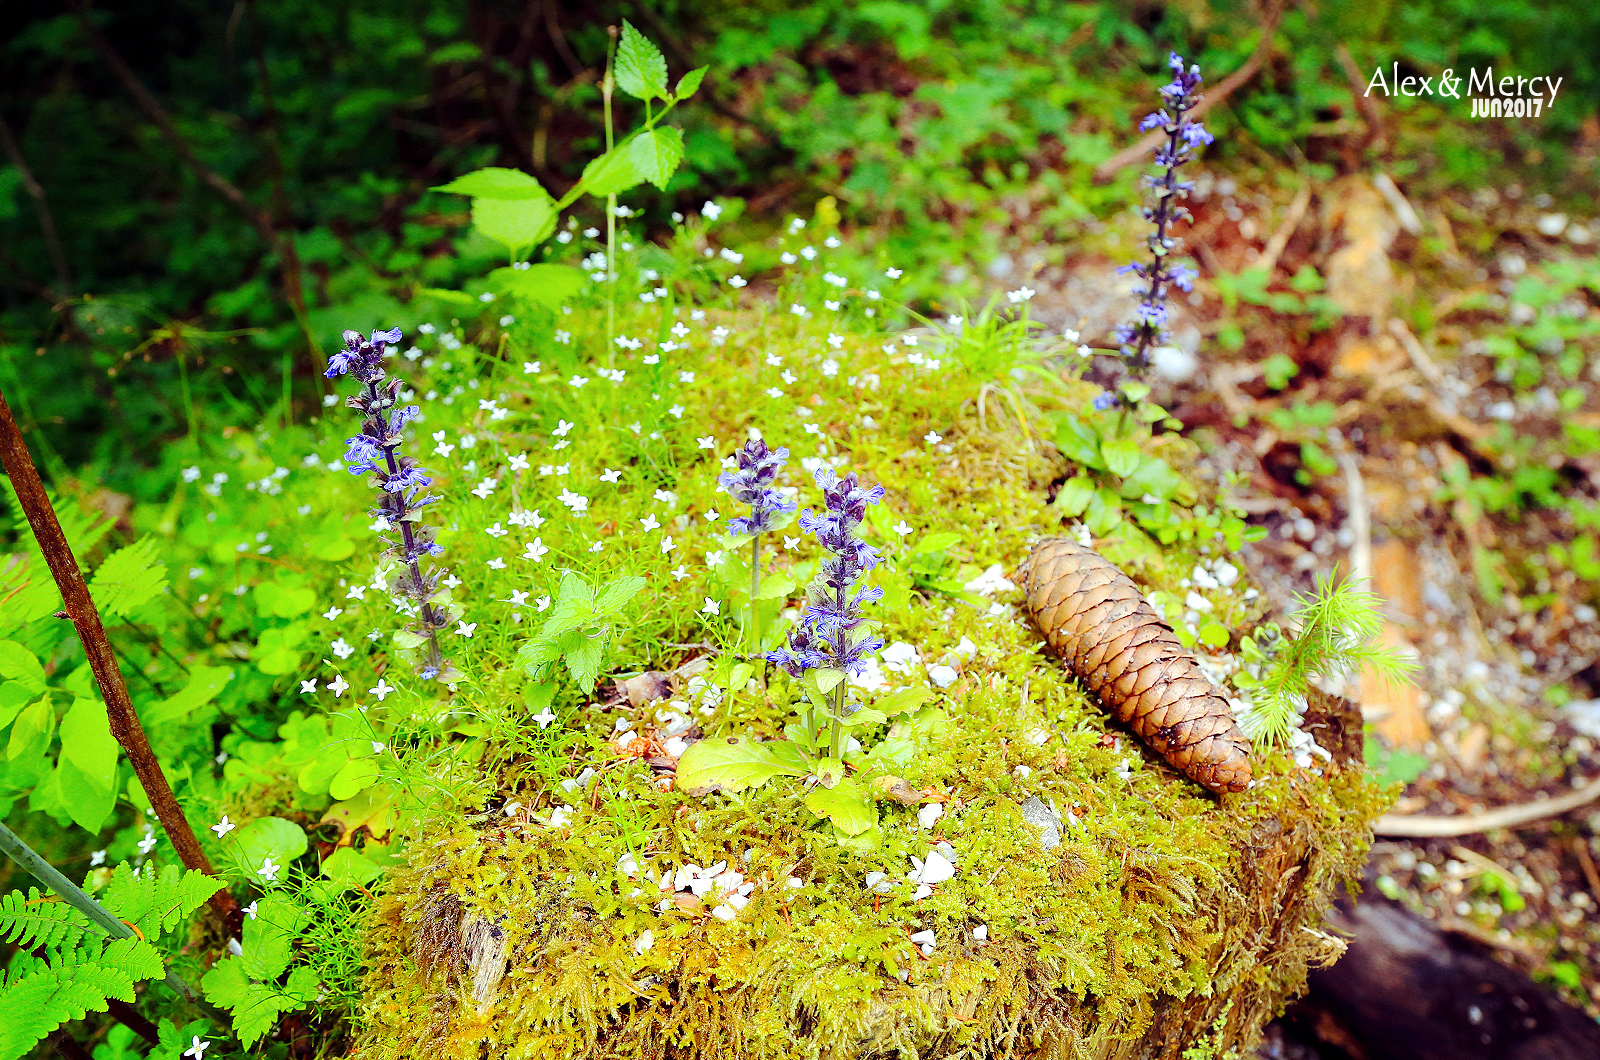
[[513, 209], [401, 497], [751, 483], [1161, 273], [1334, 626]]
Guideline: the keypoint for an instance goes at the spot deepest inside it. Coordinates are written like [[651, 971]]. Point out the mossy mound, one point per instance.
[[1164, 915]]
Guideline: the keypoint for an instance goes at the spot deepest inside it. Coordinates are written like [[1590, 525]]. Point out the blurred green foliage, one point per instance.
[[949, 132]]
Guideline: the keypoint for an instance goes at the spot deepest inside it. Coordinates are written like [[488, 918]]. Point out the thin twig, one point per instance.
[[41, 206], [125, 725], [1280, 238], [1367, 105], [1147, 143], [1470, 823], [67, 1045]]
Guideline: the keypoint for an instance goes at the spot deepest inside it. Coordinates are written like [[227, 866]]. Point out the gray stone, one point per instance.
[[1046, 820]]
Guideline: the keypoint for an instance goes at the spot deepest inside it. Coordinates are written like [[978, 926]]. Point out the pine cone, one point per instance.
[[1094, 617]]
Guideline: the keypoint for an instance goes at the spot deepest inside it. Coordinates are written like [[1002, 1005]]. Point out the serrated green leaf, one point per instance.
[[583, 661], [612, 172], [19, 664], [89, 749], [731, 764], [641, 72], [1154, 477], [689, 83], [612, 598], [31, 732], [515, 223], [655, 153], [128, 578], [33, 1005], [845, 804], [543, 284], [157, 902], [496, 182]]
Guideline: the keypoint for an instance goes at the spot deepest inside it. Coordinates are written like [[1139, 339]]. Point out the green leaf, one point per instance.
[[35, 1003], [354, 777], [1153, 476], [256, 1006], [775, 586], [1079, 443], [903, 700], [31, 732], [641, 72], [1121, 455], [88, 764], [277, 652], [689, 84], [612, 598], [543, 284], [349, 868], [284, 601], [935, 543], [1214, 635], [515, 222], [845, 804], [867, 718], [128, 578], [265, 837], [19, 664], [731, 764], [205, 682], [496, 182], [825, 678], [157, 902], [582, 656], [655, 153], [612, 172], [1075, 495]]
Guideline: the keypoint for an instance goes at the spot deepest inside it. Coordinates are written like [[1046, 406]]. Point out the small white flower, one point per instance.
[[737, 281], [577, 382], [611, 476], [667, 544], [790, 542], [223, 827], [894, 274], [544, 718], [338, 685], [902, 528], [518, 462], [712, 516], [381, 689], [190, 474], [798, 310], [787, 258], [711, 607], [342, 648], [832, 242], [307, 687], [933, 437], [535, 550], [710, 210], [1021, 294], [518, 598], [708, 442], [197, 1048], [831, 305], [542, 604], [496, 531], [97, 858], [531, 367], [1084, 351], [250, 910], [269, 869]]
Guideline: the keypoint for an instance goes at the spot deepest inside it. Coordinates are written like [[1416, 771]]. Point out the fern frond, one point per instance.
[[32, 920], [33, 1005], [155, 903], [128, 577]]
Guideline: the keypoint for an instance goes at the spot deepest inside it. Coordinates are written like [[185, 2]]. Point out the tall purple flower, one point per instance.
[[400, 485], [1148, 329], [829, 634], [752, 484]]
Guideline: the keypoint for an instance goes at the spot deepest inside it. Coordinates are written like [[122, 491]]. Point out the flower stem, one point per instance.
[[755, 586]]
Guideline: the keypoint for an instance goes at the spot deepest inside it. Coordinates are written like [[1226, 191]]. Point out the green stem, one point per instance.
[[838, 720], [611, 202], [755, 586], [51, 877]]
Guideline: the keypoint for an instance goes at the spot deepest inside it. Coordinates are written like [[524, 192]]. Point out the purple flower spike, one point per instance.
[[400, 482], [1183, 133], [752, 484]]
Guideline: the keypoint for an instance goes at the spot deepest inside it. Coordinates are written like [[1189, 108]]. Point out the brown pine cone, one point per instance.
[[1094, 617]]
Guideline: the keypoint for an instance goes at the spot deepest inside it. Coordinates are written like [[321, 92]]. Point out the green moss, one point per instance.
[[1162, 911]]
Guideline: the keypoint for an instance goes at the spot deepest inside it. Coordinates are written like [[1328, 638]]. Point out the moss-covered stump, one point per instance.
[[1164, 918]]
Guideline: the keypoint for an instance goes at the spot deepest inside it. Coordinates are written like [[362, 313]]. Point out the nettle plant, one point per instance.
[[514, 209]]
